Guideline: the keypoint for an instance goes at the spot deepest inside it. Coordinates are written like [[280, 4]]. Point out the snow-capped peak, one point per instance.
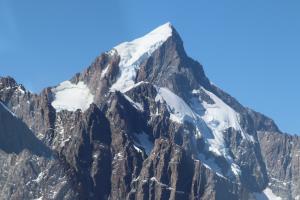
[[135, 52]]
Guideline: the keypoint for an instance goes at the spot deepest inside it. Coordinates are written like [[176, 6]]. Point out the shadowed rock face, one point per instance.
[[29, 168], [15, 136], [170, 135]]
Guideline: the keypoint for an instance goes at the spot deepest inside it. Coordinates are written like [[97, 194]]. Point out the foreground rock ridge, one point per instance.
[[141, 122]]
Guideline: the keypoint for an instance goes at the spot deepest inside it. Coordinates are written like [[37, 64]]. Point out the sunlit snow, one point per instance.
[[267, 194], [133, 53], [179, 110], [219, 117], [210, 120], [39, 177], [69, 96]]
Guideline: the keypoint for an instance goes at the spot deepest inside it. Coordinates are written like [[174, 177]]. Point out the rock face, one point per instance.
[[29, 169], [141, 122]]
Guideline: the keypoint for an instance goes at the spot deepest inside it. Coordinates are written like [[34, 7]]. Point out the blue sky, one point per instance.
[[249, 48]]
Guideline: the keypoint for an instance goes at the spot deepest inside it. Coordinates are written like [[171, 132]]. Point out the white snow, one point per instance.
[[219, 117], [137, 149], [210, 121], [96, 155], [40, 136], [179, 110], [267, 194], [6, 108], [69, 96], [104, 72], [20, 90], [135, 85], [17, 88], [135, 52], [235, 169], [65, 141], [39, 177], [280, 182], [153, 179], [119, 156]]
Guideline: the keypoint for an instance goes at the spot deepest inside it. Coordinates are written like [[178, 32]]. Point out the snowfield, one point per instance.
[[133, 53], [69, 96], [179, 110], [210, 121]]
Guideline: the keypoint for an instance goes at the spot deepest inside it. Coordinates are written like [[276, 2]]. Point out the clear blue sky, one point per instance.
[[251, 49]]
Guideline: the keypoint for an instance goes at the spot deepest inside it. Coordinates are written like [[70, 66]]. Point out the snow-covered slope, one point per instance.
[[134, 52], [69, 96], [179, 110], [210, 121]]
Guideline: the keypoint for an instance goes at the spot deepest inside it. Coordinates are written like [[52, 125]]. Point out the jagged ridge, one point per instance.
[[168, 134]]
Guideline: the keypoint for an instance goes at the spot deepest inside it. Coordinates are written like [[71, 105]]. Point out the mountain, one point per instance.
[[141, 122]]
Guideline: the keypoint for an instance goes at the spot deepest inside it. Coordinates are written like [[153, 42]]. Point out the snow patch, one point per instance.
[[135, 85], [236, 169], [210, 121], [104, 72], [179, 110], [40, 136], [133, 53], [267, 194], [20, 90], [137, 149], [69, 96], [285, 183], [39, 177], [220, 116]]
